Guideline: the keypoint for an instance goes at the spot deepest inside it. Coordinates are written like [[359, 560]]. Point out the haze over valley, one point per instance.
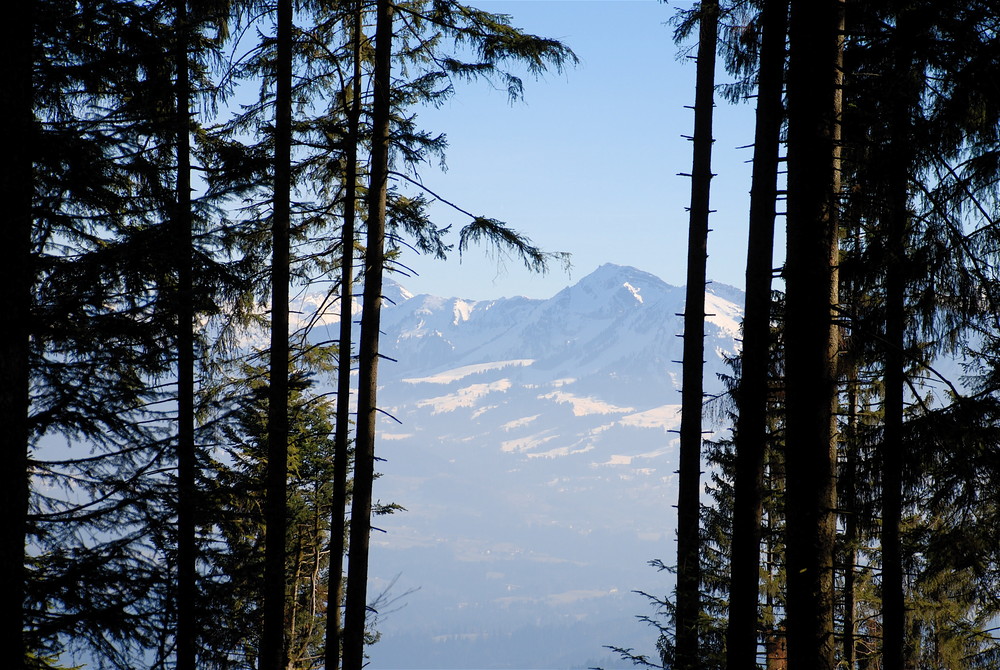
[[530, 443]]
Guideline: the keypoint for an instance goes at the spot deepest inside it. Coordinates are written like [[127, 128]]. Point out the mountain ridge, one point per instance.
[[535, 457]]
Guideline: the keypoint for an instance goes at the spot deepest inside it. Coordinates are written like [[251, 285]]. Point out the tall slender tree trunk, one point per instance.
[[814, 106], [692, 395], [334, 632], [272, 646], [751, 429], [184, 255], [16, 190], [364, 446], [899, 163]]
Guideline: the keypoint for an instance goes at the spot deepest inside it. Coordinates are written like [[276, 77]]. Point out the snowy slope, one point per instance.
[[535, 459]]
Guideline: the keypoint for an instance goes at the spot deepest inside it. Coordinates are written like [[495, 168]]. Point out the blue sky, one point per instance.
[[588, 162]]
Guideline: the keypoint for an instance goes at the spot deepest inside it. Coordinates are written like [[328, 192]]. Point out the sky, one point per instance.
[[588, 162]]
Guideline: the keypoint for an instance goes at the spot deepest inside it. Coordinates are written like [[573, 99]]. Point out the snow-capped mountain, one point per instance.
[[530, 445]]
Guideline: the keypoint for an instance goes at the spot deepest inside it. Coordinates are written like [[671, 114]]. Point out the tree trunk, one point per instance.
[[16, 190], [775, 652], [689, 478], [364, 446], [751, 431], [272, 646], [184, 254], [898, 165], [335, 595], [814, 108]]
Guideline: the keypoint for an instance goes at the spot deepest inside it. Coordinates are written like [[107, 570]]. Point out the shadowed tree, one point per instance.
[[338, 526], [184, 260], [16, 190], [811, 338], [687, 610], [364, 458], [272, 648], [751, 434]]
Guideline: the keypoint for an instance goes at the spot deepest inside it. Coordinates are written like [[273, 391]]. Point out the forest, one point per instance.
[[182, 491]]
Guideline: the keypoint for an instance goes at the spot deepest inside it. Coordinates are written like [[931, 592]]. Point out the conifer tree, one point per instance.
[[900, 167], [97, 334], [686, 616], [184, 255], [338, 526], [720, 518], [272, 647], [238, 492], [752, 395], [16, 190], [811, 341], [909, 260], [364, 458]]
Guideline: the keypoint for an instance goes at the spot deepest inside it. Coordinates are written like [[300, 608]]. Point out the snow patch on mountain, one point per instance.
[[633, 290], [449, 376], [518, 423], [562, 451], [663, 417], [586, 405], [462, 310], [523, 444], [464, 397]]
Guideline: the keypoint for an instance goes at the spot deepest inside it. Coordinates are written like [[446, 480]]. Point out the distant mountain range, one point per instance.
[[531, 446]]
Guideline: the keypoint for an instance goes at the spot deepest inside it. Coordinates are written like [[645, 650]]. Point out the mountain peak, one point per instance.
[[611, 272], [615, 287], [395, 292]]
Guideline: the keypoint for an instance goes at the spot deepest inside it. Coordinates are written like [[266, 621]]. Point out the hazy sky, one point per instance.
[[588, 162]]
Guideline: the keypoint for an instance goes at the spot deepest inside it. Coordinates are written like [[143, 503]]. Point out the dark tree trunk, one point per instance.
[[689, 478], [183, 249], [898, 165], [272, 646], [814, 108], [751, 431], [334, 632], [16, 189], [364, 446], [893, 614]]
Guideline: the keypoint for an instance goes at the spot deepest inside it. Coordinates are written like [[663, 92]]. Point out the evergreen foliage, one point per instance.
[[152, 171], [914, 231], [139, 285]]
